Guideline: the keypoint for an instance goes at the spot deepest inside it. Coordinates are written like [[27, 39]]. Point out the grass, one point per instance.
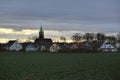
[[58, 66]]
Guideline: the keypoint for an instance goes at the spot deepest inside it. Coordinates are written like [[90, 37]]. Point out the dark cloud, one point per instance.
[[86, 15]]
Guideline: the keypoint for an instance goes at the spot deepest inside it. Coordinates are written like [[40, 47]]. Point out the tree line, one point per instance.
[[89, 37]]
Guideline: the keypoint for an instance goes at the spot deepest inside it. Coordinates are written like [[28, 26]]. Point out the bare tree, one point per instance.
[[89, 36], [63, 38], [100, 37], [118, 36], [111, 38], [77, 37], [33, 38]]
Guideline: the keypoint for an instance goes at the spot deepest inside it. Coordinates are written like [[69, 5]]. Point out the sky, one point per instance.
[[20, 19]]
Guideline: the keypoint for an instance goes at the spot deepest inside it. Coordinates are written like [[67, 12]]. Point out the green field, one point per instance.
[[59, 66]]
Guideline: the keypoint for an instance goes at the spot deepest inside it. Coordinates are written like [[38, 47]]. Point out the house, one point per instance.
[[24, 45], [117, 45], [86, 46], [47, 46], [13, 46], [59, 47], [31, 47], [74, 46], [54, 48], [43, 48], [107, 47], [34, 47]]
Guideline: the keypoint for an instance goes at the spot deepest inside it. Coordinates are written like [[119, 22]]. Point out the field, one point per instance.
[[59, 66]]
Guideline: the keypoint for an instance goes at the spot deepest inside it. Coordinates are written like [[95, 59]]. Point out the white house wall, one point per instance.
[[16, 46], [43, 48], [74, 46], [54, 48], [108, 47]]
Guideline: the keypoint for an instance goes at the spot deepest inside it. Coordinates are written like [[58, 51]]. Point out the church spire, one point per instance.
[[41, 30], [41, 33]]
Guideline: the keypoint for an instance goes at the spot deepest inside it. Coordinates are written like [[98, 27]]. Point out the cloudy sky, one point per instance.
[[20, 19]]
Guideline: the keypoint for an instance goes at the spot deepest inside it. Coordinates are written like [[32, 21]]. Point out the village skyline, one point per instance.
[[79, 42]]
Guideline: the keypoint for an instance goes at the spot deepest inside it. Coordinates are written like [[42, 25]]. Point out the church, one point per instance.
[[41, 40], [40, 44]]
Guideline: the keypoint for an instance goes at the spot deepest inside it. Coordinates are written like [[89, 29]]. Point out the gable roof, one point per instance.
[[107, 45], [86, 44], [46, 41], [32, 45], [25, 44], [62, 45], [76, 44], [10, 43]]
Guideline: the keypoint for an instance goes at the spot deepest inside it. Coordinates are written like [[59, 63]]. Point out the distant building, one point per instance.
[[117, 45], [74, 46], [56, 47], [87, 46], [31, 47], [13, 46], [108, 47], [41, 41]]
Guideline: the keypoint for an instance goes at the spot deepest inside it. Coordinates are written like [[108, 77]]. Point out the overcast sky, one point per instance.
[[22, 18]]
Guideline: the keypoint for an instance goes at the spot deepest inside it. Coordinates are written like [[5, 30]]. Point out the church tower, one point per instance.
[[41, 35], [41, 40]]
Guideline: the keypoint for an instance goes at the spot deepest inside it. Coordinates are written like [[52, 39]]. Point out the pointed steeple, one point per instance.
[[41, 33]]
